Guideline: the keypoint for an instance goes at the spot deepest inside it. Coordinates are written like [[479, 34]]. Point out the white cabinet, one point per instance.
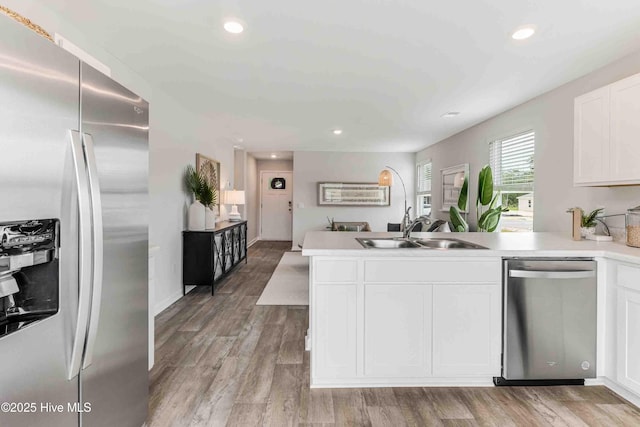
[[397, 330], [334, 335], [466, 330], [625, 129], [606, 135], [591, 137], [628, 326], [405, 321]]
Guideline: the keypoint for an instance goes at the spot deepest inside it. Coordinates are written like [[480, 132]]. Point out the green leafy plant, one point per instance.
[[487, 213], [197, 185], [589, 220], [455, 212]]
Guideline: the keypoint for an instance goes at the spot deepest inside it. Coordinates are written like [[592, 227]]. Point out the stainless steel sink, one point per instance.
[[387, 243], [400, 243], [436, 243]]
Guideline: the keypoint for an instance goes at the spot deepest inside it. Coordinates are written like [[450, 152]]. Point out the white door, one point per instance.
[[276, 198]]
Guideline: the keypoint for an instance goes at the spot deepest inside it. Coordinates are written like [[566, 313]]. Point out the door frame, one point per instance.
[[262, 172]]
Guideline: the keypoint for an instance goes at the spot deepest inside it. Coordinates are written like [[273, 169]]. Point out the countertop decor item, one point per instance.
[[588, 222], [575, 224], [632, 220]]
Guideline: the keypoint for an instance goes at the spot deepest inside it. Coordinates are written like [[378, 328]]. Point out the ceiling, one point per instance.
[[383, 71], [266, 155]]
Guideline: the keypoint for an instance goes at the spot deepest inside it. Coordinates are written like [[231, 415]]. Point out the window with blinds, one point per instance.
[[512, 164], [511, 161], [423, 193]]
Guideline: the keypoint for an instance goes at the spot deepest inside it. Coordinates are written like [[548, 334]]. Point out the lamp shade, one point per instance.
[[234, 197], [385, 179]]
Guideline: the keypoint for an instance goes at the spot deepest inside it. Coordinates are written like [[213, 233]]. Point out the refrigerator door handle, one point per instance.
[[84, 261], [97, 249]]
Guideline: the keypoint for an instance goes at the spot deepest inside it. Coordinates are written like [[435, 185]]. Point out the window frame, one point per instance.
[[420, 192]]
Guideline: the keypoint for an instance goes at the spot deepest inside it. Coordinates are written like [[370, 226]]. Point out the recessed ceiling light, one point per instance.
[[523, 32], [337, 131], [273, 156], [233, 27], [450, 114]]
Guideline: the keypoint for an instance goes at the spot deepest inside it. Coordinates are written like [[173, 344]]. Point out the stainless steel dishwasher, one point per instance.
[[549, 321]]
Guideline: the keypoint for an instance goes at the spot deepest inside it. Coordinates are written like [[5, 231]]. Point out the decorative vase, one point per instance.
[[209, 219], [196, 217], [587, 231]]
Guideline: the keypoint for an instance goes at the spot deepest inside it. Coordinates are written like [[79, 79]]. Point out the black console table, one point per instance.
[[209, 255]]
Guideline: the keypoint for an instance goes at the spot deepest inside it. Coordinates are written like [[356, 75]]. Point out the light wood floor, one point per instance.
[[222, 360]]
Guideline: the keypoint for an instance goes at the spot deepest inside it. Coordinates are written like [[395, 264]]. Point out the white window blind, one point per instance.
[[424, 177], [511, 161]]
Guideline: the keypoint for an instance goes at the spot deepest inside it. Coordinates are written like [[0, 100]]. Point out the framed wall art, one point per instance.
[[451, 181], [352, 194], [210, 168]]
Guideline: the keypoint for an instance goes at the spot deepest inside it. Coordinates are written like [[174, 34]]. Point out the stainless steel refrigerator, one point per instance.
[[73, 240]]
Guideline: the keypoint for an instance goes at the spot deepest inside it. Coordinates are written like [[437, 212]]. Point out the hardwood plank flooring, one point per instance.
[[223, 361]]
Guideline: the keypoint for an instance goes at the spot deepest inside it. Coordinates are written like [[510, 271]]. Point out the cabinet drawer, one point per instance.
[[629, 277], [335, 271], [432, 271]]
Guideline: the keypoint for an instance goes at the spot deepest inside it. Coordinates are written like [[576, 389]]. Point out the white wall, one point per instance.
[[551, 117], [313, 167], [175, 136], [252, 198]]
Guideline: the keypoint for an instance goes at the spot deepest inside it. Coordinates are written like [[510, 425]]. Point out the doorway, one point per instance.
[[276, 205]]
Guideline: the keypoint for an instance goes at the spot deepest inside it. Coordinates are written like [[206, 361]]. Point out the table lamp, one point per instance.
[[234, 198]]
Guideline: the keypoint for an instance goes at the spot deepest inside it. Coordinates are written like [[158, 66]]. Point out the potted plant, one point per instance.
[[203, 197], [588, 222], [487, 211]]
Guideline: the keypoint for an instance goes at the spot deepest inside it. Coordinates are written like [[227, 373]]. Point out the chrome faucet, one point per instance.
[[424, 220]]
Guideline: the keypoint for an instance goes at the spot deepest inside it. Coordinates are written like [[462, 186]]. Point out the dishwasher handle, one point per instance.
[[538, 274]]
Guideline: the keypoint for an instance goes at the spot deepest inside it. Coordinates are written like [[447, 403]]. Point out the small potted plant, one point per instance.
[[588, 222]]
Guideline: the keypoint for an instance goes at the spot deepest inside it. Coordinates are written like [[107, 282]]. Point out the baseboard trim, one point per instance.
[[402, 382], [166, 303], [253, 242], [622, 391]]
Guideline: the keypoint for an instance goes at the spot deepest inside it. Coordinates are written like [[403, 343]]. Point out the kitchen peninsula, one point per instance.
[[432, 317]]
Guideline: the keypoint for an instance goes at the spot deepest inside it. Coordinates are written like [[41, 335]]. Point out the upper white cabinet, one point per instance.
[[591, 137], [607, 135], [625, 130]]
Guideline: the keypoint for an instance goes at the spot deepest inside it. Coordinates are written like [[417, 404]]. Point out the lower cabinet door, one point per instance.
[[467, 330], [397, 330], [629, 338], [334, 334]]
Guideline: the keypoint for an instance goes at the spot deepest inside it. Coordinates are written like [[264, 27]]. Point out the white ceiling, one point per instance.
[[266, 155], [384, 71]]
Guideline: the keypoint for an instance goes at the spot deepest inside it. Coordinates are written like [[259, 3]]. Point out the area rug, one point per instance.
[[289, 284]]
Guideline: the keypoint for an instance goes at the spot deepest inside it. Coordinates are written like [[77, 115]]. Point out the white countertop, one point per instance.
[[332, 243]]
